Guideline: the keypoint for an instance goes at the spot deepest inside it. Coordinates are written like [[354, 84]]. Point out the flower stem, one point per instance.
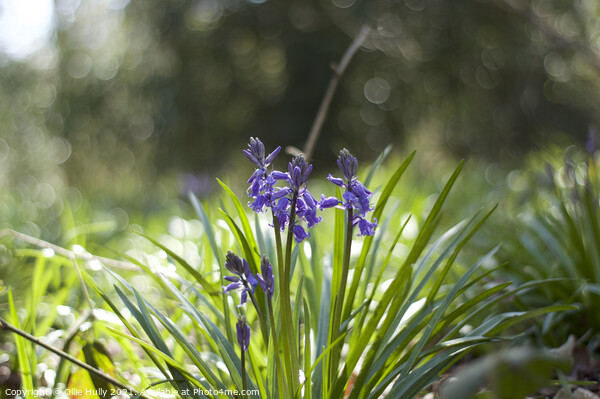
[[287, 310], [283, 288], [263, 325], [244, 372], [290, 241], [337, 314], [280, 370]]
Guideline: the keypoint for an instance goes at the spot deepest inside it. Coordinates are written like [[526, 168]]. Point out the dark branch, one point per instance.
[[6, 326], [338, 71]]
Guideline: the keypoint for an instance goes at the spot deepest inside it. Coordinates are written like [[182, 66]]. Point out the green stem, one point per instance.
[[261, 318], [290, 241], [279, 250], [244, 372], [282, 295], [280, 370], [337, 313], [287, 311]]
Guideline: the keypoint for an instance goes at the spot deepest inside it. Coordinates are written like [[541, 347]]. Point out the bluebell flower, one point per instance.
[[306, 205], [328, 202], [244, 280], [366, 228], [298, 172], [256, 153], [356, 197], [262, 189], [299, 233], [348, 164], [243, 333], [266, 280], [262, 181]]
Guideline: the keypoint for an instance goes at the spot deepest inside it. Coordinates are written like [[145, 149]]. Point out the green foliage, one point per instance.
[[403, 326], [557, 235], [414, 302], [514, 373], [24, 350]]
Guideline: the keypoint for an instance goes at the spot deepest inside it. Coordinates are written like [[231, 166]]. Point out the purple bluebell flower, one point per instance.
[[281, 199], [235, 264], [298, 172], [262, 181], [356, 197], [366, 228], [256, 153], [243, 333], [328, 202], [266, 280], [299, 233], [348, 164], [305, 204], [244, 280]]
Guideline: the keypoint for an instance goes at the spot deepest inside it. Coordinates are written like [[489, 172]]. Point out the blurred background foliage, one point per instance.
[[130, 101], [126, 105]]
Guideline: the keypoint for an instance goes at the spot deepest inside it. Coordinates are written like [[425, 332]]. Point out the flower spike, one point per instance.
[[281, 199], [244, 280], [266, 280], [356, 196], [243, 333]]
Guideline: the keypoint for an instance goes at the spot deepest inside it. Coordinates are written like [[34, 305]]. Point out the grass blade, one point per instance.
[[22, 349]]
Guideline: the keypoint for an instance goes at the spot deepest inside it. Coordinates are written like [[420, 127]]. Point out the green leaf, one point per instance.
[[479, 298], [440, 279], [125, 322], [505, 320], [513, 373], [394, 296], [376, 165], [208, 228], [245, 223], [22, 352], [382, 269], [96, 356], [172, 363], [307, 352], [297, 306], [416, 351], [205, 284], [418, 379], [488, 304], [239, 235], [225, 349], [81, 386], [190, 350], [426, 326], [381, 203], [319, 383]]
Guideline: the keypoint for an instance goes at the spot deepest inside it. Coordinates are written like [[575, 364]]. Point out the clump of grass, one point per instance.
[[392, 332], [555, 233]]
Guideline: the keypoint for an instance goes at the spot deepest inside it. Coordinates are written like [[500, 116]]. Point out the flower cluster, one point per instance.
[[281, 199], [243, 279], [356, 196], [243, 333], [266, 281], [262, 182]]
